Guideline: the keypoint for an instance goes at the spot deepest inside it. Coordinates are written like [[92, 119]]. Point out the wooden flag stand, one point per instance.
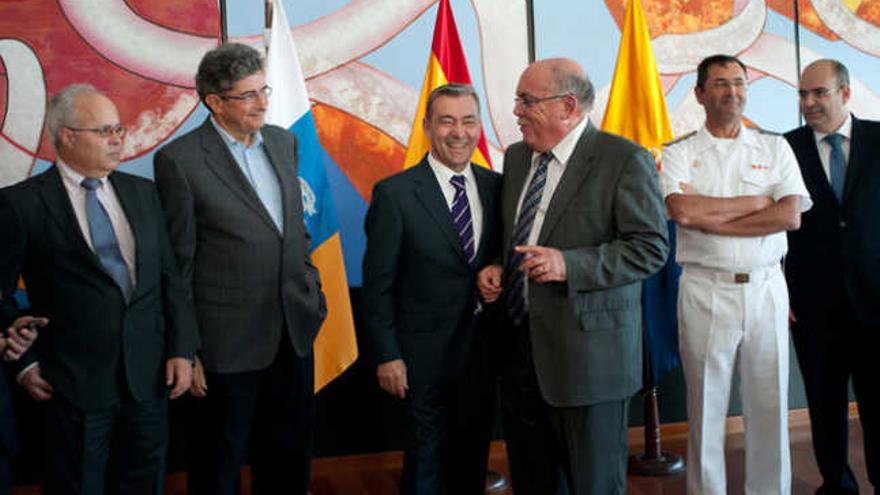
[[654, 462]]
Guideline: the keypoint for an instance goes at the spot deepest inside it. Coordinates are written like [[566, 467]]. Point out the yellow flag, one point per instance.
[[636, 105]]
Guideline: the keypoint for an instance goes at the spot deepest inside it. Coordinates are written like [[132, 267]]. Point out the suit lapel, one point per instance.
[[132, 207], [220, 161], [576, 171], [286, 178], [859, 153], [812, 172], [485, 193], [54, 196], [429, 195]]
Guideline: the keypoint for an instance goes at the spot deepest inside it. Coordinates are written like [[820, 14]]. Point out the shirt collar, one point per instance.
[[231, 141], [71, 176], [844, 130], [565, 147], [444, 173], [706, 140]]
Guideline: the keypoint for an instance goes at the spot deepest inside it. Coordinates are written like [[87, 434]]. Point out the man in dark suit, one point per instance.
[[17, 339], [234, 210], [833, 272], [583, 225], [429, 229], [94, 253]]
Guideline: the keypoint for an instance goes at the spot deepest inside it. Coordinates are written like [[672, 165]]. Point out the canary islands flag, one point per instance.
[[446, 64], [637, 110], [335, 346]]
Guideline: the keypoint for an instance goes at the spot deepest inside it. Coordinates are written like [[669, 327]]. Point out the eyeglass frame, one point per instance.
[[529, 101], [247, 96], [106, 131]]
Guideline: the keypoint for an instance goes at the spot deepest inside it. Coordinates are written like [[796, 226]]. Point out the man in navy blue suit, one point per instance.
[[833, 272]]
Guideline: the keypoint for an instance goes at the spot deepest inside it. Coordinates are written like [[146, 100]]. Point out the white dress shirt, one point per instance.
[[753, 163], [824, 148], [107, 197], [444, 175], [555, 168]]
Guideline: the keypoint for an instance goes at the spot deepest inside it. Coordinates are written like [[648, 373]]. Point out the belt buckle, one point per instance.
[[741, 278]]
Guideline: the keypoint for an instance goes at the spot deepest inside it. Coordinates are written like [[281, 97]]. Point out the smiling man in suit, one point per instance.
[[429, 229], [234, 209], [583, 224], [834, 274], [120, 330]]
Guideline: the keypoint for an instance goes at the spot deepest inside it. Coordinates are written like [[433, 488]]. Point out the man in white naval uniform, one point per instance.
[[733, 193]]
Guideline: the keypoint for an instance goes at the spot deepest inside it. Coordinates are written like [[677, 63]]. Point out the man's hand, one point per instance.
[[35, 385], [199, 386], [489, 283], [542, 264], [20, 336], [178, 376], [392, 377]]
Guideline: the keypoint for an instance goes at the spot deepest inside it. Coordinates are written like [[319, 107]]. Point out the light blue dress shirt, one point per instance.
[[254, 164]]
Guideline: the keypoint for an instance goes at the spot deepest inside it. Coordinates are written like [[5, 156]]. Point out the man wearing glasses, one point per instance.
[[234, 210], [834, 275], [734, 192], [582, 225], [119, 328]]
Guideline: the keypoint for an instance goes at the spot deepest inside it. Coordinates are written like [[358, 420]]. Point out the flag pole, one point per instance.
[[530, 22], [797, 52], [267, 4], [224, 33]]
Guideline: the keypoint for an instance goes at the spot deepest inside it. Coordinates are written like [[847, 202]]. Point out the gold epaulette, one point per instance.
[[768, 133], [681, 138]]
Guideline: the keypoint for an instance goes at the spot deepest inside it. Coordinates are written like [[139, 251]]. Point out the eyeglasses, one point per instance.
[[249, 96], [728, 84], [529, 101], [106, 131], [817, 93]]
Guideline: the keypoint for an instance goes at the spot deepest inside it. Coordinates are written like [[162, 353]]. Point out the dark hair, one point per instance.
[[224, 66], [720, 59], [451, 89], [840, 71]]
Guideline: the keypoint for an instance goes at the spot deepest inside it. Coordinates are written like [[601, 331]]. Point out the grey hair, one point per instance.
[[575, 84], [224, 66], [60, 112], [451, 89]]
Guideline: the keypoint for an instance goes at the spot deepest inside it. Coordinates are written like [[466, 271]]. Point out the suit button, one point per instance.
[[843, 224]]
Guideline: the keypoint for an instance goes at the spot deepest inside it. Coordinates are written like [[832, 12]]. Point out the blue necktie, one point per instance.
[[461, 217], [516, 281], [837, 160], [104, 239]]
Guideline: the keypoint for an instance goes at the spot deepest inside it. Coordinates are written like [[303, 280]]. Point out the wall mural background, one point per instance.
[[364, 62]]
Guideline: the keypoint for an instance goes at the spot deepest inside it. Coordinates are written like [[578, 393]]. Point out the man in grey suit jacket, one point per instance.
[[583, 225], [233, 206], [429, 229]]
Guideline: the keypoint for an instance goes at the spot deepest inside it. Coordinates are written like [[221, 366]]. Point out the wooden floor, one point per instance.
[[378, 474]]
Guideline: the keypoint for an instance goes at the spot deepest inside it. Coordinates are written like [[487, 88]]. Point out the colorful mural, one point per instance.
[[364, 60]]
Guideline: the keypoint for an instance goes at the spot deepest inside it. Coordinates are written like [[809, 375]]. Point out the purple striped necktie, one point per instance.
[[461, 217], [515, 287]]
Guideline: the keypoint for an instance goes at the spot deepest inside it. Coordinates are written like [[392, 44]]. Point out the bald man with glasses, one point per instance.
[[119, 328]]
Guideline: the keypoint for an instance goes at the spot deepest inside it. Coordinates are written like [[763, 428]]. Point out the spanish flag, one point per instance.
[[637, 110], [446, 64]]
